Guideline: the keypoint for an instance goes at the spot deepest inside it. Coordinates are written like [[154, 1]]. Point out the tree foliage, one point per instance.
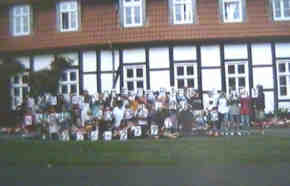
[[10, 67], [46, 81]]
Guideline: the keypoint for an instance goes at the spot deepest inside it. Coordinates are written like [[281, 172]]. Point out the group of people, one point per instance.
[[144, 114]]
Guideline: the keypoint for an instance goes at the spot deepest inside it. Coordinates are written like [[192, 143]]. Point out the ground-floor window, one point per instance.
[[135, 77], [69, 82], [185, 75], [283, 69], [236, 76], [19, 88]]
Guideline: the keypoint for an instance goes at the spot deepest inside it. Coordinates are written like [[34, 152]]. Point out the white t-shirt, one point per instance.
[[118, 114], [223, 107]]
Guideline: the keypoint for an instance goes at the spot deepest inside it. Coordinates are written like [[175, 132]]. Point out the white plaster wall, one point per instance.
[[210, 56], [269, 102], [261, 54], [107, 60], [282, 49], [181, 53], [89, 61], [134, 55], [73, 56], [24, 61], [159, 58], [263, 76], [159, 79], [90, 83], [42, 62], [236, 51], [107, 81], [211, 79]]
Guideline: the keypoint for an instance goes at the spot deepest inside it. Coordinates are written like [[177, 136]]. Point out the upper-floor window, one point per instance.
[[68, 16], [281, 10], [233, 10], [21, 20], [183, 11], [133, 12]]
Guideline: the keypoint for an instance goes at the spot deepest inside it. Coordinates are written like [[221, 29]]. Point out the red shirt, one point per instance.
[[245, 105]]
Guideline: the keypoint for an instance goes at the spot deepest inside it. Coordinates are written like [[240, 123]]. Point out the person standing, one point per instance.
[[223, 110], [260, 106], [245, 109]]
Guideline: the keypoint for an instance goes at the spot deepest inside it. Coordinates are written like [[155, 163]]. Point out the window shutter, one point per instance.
[[79, 16], [221, 10], [244, 10], [11, 21], [31, 22], [194, 11], [143, 8], [121, 12], [170, 8], [270, 10], [58, 26]]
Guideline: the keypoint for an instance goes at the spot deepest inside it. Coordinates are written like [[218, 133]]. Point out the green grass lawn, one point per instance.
[[252, 150]]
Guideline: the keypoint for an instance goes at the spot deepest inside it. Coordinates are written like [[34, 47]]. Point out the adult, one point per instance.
[[245, 110], [223, 110], [185, 120]]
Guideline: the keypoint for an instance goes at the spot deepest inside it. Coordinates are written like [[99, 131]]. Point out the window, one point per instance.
[[283, 69], [68, 16], [19, 88], [236, 76], [281, 10], [183, 11], [233, 10], [186, 75], [133, 12], [134, 77], [69, 82], [21, 20]]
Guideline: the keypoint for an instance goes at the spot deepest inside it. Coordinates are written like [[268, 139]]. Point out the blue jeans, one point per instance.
[[245, 120]]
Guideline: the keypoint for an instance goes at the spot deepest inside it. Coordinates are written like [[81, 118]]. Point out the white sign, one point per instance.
[[108, 135], [123, 135], [28, 120], [80, 136], [65, 135], [154, 130], [95, 135], [137, 131]]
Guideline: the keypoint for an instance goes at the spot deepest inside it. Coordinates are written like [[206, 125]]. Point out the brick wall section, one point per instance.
[[100, 25]]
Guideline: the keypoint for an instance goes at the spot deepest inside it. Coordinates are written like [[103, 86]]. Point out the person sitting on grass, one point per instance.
[[168, 128], [28, 122]]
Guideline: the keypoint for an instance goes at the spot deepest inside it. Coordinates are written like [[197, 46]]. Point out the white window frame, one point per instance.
[[68, 83], [236, 76], [21, 85], [134, 79], [232, 20], [282, 8], [187, 13], [185, 76], [70, 8], [284, 74], [21, 13], [133, 4]]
